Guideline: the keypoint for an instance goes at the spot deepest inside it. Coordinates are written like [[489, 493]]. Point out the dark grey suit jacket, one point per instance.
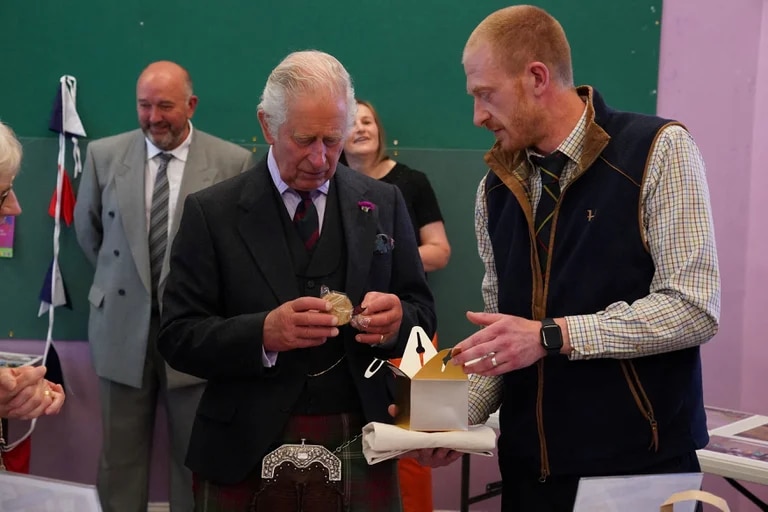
[[230, 266]]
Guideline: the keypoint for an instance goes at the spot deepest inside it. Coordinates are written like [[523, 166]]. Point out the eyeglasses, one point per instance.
[[4, 195]]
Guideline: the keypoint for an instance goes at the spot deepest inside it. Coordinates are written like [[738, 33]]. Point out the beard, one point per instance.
[[525, 129], [166, 141]]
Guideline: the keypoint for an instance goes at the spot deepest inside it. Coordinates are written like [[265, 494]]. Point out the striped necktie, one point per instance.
[[306, 221], [158, 221], [551, 166]]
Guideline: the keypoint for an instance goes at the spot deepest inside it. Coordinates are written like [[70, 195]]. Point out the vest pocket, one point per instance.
[[642, 401]]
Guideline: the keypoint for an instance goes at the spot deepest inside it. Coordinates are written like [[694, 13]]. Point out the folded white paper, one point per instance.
[[382, 441]]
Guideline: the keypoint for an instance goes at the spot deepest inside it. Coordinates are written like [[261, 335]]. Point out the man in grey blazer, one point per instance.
[[121, 204]]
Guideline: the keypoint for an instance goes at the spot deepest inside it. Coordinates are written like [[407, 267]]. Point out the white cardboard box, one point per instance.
[[433, 397]]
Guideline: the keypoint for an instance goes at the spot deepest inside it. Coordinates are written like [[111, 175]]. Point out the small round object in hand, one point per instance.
[[342, 306]]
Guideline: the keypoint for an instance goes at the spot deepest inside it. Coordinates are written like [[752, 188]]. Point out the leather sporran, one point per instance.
[[300, 478]]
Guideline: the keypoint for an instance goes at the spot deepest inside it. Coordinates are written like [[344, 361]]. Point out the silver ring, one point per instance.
[[381, 340], [494, 362]]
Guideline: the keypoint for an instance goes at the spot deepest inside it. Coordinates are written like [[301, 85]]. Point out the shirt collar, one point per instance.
[[180, 152], [282, 186], [573, 145]]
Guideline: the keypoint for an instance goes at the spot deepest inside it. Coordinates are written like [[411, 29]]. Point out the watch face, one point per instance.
[[550, 337], [545, 338]]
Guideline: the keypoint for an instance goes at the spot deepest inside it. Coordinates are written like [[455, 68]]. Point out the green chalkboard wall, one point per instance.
[[403, 55]]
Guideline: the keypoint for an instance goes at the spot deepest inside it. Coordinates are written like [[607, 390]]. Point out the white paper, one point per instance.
[[25, 493], [642, 493], [382, 441]]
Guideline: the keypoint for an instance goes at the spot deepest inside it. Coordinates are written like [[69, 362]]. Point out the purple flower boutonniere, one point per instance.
[[366, 206]]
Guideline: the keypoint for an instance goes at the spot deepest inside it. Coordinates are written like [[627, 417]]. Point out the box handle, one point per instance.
[[703, 496]]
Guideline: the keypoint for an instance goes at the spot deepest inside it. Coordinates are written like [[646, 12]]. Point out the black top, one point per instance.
[[419, 196]]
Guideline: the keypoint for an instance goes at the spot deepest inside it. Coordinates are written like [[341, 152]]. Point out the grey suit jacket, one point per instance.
[[110, 222]]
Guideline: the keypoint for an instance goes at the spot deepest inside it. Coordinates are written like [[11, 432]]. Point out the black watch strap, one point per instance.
[[551, 337]]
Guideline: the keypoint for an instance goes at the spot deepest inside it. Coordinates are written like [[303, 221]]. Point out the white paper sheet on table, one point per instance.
[[25, 493], [382, 441]]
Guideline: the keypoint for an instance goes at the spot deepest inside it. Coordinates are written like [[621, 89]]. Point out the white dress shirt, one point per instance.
[[291, 198]]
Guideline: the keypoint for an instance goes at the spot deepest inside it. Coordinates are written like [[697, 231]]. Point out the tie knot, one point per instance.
[[551, 165], [164, 157], [304, 195]]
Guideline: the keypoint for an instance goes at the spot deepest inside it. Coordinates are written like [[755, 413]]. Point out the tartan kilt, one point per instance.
[[366, 488]]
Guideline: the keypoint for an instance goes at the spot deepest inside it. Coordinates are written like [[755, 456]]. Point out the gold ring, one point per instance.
[[47, 392]]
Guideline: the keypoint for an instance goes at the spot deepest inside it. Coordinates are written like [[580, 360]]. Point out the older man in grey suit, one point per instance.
[[128, 207]]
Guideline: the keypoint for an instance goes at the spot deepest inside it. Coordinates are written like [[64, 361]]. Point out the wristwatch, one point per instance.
[[551, 337]]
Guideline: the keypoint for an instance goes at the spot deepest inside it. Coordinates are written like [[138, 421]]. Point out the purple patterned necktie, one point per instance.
[[306, 221]]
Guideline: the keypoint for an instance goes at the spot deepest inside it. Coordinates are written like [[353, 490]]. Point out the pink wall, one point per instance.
[[713, 76], [709, 83], [755, 320]]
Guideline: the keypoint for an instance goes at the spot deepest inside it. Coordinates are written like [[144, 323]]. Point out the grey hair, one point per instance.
[[305, 72], [10, 152], [189, 87]]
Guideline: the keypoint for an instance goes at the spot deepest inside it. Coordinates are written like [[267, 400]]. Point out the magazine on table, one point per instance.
[[737, 434]]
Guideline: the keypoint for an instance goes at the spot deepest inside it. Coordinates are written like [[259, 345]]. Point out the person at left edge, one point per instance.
[[24, 391], [112, 221], [242, 306]]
